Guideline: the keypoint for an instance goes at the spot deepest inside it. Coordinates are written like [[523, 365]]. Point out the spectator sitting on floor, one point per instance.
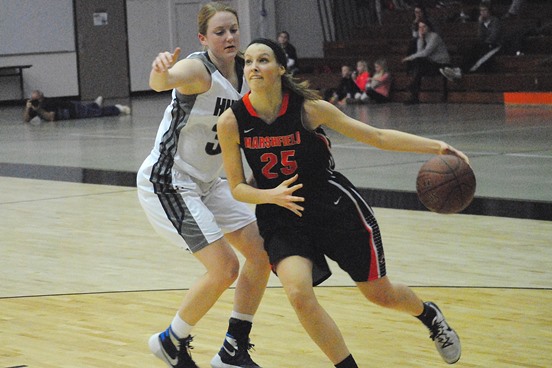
[[379, 85], [346, 88], [488, 45], [361, 76], [53, 109]]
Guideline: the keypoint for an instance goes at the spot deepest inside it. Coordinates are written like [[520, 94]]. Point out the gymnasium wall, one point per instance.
[[42, 33], [153, 27]]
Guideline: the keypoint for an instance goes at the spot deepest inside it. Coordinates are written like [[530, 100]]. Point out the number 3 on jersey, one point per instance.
[[289, 165], [213, 148]]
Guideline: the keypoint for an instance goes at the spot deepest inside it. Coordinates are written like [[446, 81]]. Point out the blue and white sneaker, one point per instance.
[[173, 351], [445, 338], [234, 355]]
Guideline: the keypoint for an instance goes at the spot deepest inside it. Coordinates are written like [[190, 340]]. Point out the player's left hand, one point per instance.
[[447, 149]]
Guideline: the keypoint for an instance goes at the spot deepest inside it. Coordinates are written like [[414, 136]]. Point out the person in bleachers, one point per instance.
[[291, 52], [489, 43], [431, 55], [420, 13]]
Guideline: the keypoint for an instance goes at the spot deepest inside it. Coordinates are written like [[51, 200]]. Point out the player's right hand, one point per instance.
[[165, 60], [283, 196]]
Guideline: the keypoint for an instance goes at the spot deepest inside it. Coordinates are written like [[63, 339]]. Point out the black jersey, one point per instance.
[[279, 150]]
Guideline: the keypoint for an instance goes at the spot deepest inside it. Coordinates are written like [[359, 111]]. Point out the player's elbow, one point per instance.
[[158, 82], [157, 87], [237, 196], [239, 192]]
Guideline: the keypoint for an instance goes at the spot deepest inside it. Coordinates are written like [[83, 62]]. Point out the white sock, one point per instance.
[[242, 317], [180, 327], [123, 109]]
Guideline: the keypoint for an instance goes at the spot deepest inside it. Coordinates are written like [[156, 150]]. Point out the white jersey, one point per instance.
[[186, 141]]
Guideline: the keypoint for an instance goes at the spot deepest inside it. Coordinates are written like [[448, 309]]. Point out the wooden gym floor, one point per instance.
[[84, 280]]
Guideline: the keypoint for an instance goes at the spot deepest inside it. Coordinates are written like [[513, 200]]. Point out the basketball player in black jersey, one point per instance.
[[305, 209]]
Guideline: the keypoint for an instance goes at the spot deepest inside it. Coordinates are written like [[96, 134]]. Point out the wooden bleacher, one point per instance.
[[530, 72]]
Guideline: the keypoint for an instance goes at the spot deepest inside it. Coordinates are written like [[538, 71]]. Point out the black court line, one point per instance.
[[84, 293], [395, 199]]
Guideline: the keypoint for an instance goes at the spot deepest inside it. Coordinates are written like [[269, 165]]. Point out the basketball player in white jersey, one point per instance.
[[185, 200]]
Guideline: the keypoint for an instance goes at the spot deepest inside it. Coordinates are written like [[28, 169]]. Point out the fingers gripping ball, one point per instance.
[[445, 184]]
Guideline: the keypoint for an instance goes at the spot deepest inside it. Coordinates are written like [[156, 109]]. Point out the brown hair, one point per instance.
[[207, 11], [302, 88], [288, 81]]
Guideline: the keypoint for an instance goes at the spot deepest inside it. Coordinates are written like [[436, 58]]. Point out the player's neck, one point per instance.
[[226, 66], [267, 105]]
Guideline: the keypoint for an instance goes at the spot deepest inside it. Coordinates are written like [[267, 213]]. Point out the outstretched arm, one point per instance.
[[323, 113], [189, 76]]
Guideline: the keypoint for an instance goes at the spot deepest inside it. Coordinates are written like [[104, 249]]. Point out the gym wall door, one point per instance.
[[102, 48]]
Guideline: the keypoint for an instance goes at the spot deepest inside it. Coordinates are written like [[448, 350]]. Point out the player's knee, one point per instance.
[[260, 258], [383, 295], [227, 274], [382, 299], [300, 301]]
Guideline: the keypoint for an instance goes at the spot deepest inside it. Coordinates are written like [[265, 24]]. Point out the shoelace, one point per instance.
[[438, 333], [243, 348], [247, 345], [184, 352]]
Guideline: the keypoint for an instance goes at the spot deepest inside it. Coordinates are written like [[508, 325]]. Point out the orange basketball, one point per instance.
[[445, 184]]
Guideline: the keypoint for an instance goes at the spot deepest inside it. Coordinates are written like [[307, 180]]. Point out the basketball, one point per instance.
[[445, 184]]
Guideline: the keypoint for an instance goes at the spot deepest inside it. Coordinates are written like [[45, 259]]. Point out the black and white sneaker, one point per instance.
[[173, 351], [234, 355], [445, 338]]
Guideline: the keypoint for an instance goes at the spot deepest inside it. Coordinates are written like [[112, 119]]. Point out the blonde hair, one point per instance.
[[383, 63], [208, 10]]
